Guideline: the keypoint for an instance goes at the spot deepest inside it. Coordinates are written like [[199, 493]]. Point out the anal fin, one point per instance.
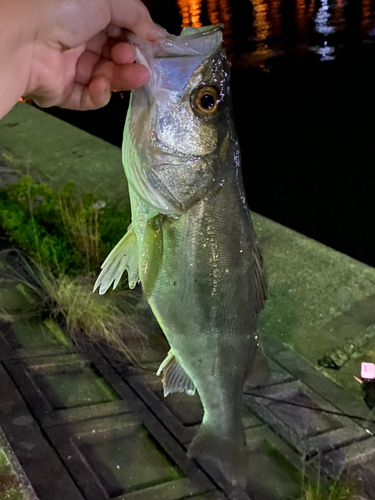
[[174, 377], [124, 256]]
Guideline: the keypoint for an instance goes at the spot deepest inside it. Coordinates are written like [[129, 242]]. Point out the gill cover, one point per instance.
[[165, 143]]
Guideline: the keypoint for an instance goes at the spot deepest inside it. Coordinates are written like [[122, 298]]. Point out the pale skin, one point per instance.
[[70, 53]]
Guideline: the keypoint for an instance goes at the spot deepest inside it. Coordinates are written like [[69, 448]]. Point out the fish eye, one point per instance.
[[205, 100]]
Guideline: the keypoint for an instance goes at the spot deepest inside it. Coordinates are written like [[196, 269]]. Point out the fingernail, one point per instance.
[[161, 32]]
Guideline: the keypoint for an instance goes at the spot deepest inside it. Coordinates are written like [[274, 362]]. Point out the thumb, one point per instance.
[[135, 17]]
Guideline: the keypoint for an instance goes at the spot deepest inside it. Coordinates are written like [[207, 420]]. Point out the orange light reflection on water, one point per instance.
[[225, 16], [311, 8], [261, 25], [366, 21], [190, 11], [338, 17], [366, 8], [275, 17], [213, 12], [301, 16], [218, 11]]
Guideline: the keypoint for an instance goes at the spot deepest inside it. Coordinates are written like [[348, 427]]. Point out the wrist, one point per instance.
[[17, 32]]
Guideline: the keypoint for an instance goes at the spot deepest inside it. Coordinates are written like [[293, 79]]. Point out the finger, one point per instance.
[[102, 45], [98, 93], [122, 53], [122, 77], [134, 16], [113, 31], [85, 67], [97, 42], [90, 65], [88, 97], [129, 76]]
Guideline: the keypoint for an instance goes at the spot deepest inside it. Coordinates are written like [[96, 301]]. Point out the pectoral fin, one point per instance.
[[175, 379], [123, 256], [152, 253]]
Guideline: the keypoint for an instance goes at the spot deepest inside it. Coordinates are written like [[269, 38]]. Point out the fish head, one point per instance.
[[179, 122]]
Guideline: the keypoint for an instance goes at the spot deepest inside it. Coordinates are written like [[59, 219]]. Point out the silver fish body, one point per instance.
[[197, 255]]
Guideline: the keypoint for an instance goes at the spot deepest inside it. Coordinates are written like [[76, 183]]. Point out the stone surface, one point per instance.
[[118, 437], [14, 484], [318, 298], [69, 388], [38, 459], [117, 456], [303, 418], [55, 152], [23, 340], [356, 460], [8, 174]]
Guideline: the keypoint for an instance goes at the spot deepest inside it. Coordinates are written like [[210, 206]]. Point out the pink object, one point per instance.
[[368, 370]]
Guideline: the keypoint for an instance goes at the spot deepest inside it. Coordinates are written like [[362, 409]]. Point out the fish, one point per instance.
[[191, 242]]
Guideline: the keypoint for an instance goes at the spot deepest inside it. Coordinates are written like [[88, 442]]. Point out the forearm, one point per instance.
[[15, 51]]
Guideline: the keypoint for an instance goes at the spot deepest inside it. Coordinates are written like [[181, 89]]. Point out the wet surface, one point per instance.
[[124, 453], [91, 388]]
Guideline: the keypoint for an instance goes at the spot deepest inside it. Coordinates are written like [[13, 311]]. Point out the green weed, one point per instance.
[[337, 491], [62, 238], [67, 232]]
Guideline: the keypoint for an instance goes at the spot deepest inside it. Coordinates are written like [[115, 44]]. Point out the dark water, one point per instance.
[[256, 31], [303, 85]]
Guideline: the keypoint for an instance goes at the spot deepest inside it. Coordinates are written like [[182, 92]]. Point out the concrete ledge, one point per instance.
[[318, 298], [54, 151], [14, 485]]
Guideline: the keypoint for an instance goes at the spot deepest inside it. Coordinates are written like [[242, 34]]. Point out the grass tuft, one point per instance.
[[60, 239], [113, 318], [338, 491]]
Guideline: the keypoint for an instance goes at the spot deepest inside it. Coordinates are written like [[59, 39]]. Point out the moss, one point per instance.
[[10, 488], [64, 237], [63, 229], [337, 491]]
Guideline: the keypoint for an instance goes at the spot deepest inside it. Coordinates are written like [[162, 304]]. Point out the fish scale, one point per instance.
[[191, 242]]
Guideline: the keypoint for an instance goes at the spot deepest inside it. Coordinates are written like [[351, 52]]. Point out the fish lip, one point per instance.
[[173, 159], [164, 47]]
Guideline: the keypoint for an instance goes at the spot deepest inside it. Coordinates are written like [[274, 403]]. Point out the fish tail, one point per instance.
[[231, 457]]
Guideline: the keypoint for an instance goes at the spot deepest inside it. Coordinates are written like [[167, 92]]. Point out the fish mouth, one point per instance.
[[168, 159], [189, 43]]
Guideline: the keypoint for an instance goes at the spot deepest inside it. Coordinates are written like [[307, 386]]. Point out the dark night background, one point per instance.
[[303, 83]]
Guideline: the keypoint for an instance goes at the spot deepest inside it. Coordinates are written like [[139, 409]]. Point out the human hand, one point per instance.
[[76, 50]]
